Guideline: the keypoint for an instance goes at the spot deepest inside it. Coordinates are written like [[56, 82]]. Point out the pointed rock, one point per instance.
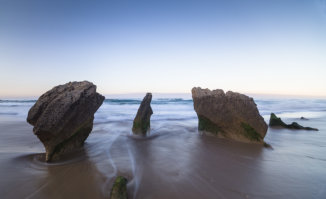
[[142, 120], [276, 121], [231, 115], [63, 117]]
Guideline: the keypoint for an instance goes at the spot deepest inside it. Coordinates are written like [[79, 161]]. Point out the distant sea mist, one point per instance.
[[176, 108]]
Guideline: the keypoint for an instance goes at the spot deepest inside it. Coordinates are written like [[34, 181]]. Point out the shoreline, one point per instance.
[[174, 162]]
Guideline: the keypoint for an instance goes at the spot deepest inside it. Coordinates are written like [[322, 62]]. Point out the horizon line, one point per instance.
[[180, 93]]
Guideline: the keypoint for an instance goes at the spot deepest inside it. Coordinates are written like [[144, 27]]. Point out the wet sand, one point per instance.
[[175, 161]]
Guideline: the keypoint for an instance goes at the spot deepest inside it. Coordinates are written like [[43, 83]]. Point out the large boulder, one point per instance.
[[275, 121], [142, 120], [119, 188], [63, 117], [230, 115]]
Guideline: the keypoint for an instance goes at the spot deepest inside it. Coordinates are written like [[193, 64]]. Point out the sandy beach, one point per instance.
[[163, 99], [175, 161]]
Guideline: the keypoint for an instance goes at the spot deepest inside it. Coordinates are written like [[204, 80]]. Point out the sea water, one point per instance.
[[175, 109], [174, 161]]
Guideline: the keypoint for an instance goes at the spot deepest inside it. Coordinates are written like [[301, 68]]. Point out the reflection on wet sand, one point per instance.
[[76, 178], [174, 161]]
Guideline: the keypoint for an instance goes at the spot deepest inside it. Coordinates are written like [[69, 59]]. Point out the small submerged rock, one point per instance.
[[231, 115], [119, 189], [303, 118], [276, 121], [142, 120], [63, 117], [266, 145]]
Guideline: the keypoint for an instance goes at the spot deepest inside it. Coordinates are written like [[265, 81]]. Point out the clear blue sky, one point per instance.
[[276, 46]]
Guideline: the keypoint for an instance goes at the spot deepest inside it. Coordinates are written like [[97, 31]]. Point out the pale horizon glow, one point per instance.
[[124, 47]]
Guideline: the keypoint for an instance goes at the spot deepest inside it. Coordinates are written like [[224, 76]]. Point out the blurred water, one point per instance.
[[174, 161], [174, 109]]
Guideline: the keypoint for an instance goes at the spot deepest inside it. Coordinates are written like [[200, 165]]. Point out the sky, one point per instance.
[[164, 46]]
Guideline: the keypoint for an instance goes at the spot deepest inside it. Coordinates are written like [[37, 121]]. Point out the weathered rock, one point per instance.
[[119, 189], [142, 120], [276, 121], [231, 115], [63, 117]]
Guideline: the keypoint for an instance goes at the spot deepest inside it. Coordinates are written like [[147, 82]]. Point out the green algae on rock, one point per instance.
[[75, 141], [205, 124], [276, 121], [230, 115], [119, 189], [251, 133], [141, 122]]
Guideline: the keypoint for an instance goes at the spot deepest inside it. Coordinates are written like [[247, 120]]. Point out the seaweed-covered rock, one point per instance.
[[276, 121], [119, 189], [231, 115], [142, 120], [63, 117]]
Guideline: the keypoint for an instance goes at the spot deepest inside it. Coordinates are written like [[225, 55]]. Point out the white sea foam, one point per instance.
[[174, 109]]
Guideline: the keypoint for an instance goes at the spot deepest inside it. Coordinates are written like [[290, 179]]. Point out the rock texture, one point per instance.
[[119, 189], [276, 121], [231, 115], [142, 120], [63, 117]]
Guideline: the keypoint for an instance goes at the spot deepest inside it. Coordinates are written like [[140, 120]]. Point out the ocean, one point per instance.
[[174, 161], [175, 109]]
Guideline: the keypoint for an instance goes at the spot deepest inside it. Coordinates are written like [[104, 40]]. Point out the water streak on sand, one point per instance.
[[174, 161]]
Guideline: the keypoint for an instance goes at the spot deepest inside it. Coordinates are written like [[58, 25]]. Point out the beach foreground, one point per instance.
[[174, 161]]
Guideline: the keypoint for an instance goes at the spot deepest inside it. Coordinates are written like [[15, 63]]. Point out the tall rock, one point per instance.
[[230, 115], [63, 117], [142, 120]]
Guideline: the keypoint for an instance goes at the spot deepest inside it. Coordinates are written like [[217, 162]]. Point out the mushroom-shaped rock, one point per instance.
[[230, 115], [119, 189], [142, 120], [276, 121], [63, 117]]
